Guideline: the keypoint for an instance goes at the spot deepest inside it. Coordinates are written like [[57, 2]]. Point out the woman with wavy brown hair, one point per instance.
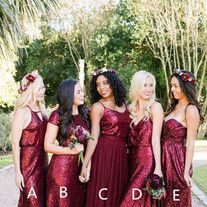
[[179, 133]]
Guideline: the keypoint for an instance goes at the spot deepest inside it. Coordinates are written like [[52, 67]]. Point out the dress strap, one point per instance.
[[102, 104], [32, 110], [29, 107]]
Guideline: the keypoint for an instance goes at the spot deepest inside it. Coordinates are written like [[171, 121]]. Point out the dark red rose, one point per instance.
[[193, 81], [80, 134], [156, 181], [185, 77], [82, 139], [79, 131], [67, 142], [30, 78]]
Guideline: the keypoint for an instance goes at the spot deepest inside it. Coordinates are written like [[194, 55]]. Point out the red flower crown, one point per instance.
[[185, 76], [102, 70], [30, 79]]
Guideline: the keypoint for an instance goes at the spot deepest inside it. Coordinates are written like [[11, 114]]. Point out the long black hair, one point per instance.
[[116, 84], [65, 98], [189, 90]]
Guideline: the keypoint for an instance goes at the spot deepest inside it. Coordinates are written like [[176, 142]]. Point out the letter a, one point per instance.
[[32, 193]]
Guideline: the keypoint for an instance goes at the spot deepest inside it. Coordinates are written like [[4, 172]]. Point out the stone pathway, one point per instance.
[[9, 193]]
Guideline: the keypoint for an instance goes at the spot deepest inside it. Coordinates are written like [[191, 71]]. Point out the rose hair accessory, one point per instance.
[[186, 76], [102, 70], [29, 79]]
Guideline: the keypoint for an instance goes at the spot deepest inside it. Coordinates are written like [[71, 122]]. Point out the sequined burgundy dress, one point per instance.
[[141, 165], [63, 172], [109, 169], [173, 162], [33, 162]]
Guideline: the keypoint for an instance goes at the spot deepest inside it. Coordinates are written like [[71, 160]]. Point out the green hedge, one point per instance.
[[5, 133]]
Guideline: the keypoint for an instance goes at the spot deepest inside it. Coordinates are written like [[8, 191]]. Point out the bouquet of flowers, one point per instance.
[[81, 136], [155, 186]]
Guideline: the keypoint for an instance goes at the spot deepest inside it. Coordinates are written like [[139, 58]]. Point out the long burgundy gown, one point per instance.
[[173, 162], [64, 172], [33, 162], [109, 167], [141, 165]]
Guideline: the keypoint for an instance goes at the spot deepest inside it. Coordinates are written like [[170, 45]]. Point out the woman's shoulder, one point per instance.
[[192, 111], [54, 117], [157, 110], [24, 111], [156, 105], [97, 109]]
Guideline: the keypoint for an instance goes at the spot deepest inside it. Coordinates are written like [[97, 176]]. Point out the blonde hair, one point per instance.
[[27, 96], [136, 89]]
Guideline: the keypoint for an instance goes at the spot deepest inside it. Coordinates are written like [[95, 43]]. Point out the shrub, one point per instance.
[[5, 133]]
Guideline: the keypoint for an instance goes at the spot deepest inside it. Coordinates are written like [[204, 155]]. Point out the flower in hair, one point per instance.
[[102, 70], [30, 79], [185, 76]]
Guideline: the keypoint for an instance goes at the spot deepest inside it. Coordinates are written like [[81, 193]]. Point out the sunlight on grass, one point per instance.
[[5, 160], [200, 178]]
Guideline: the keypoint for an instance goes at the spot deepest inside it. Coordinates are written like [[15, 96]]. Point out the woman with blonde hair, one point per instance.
[[28, 131], [144, 139]]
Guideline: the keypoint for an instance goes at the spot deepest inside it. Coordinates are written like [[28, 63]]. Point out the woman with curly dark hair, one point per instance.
[[179, 132], [63, 185], [109, 128]]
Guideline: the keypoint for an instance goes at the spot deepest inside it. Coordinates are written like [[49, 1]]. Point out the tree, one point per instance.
[[51, 57], [84, 17], [177, 34], [14, 16]]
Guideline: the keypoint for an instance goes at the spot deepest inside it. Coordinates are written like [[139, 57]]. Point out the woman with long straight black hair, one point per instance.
[[63, 186]]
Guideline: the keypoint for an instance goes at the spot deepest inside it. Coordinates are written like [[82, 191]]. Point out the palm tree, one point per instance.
[[13, 15]]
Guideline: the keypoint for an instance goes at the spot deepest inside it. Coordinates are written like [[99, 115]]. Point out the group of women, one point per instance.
[[130, 142]]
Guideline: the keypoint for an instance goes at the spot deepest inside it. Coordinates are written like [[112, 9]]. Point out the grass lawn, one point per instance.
[[8, 160], [5, 160], [200, 178], [201, 143]]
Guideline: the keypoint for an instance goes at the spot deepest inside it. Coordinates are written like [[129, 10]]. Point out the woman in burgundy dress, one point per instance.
[[110, 123], [144, 139], [63, 186], [28, 131], [179, 133]]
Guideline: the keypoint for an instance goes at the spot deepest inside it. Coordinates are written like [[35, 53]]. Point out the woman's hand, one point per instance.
[[19, 181], [79, 148], [188, 179], [85, 173], [158, 172]]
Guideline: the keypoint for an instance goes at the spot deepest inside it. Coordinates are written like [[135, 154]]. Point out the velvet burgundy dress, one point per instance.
[[109, 169], [33, 162], [141, 165], [63, 173], [173, 163]]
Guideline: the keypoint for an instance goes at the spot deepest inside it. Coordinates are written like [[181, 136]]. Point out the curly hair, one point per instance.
[[116, 84], [65, 98]]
